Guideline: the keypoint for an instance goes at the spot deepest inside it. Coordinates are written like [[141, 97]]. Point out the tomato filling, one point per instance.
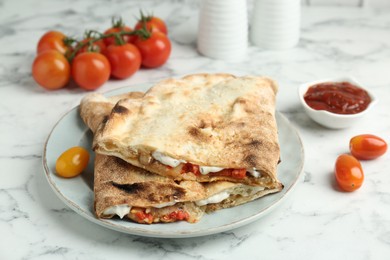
[[189, 167], [176, 215], [142, 216], [179, 215], [234, 173]]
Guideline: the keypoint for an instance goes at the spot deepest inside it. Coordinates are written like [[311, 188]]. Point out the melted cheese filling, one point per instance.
[[120, 210], [164, 159], [254, 172], [213, 199], [206, 169], [167, 160]]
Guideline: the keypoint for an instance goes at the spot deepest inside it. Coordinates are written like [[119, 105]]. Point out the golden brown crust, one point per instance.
[[206, 119]]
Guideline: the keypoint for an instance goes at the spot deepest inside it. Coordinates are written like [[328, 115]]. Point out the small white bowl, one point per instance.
[[329, 119]]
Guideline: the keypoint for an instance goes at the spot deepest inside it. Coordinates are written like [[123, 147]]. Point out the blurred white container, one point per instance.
[[276, 24], [223, 29]]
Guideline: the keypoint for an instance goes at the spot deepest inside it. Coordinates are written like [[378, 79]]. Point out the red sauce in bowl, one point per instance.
[[337, 97]]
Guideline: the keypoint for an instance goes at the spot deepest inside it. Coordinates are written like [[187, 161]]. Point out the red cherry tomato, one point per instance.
[[90, 70], [126, 38], [155, 50], [51, 70], [152, 24], [98, 46], [348, 172], [367, 147], [52, 40], [72, 162], [124, 59]]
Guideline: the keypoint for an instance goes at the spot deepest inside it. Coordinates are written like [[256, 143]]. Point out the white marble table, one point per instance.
[[316, 221]]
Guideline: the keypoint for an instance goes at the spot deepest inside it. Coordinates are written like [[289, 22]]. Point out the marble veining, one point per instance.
[[316, 221]]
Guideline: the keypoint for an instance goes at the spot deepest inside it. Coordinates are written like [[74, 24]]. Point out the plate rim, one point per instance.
[[107, 223]]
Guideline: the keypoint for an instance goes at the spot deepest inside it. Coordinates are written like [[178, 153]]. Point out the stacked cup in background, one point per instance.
[[275, 23], [223, 29]]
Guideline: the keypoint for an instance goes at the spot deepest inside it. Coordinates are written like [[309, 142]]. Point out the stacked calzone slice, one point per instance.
[[186, 146]]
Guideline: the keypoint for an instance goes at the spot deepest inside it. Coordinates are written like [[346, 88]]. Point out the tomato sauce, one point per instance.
[[337, 97], [235, 173]]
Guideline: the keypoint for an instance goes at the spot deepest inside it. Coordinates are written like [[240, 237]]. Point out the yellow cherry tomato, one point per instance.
[[72, 162]]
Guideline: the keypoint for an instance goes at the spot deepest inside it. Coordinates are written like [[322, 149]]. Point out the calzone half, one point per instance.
[[203, 127], [128, 191]]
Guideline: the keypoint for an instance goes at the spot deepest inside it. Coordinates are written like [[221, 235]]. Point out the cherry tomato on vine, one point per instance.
[[155, 49], [90, 70], [348, 172], [126, 38], [152, 24], [72, 162], [124, 59], [98, 46], [52, 40], [367, 146], [51, 70]]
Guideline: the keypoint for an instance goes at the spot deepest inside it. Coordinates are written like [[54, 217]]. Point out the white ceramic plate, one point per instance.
[[77, 193]]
